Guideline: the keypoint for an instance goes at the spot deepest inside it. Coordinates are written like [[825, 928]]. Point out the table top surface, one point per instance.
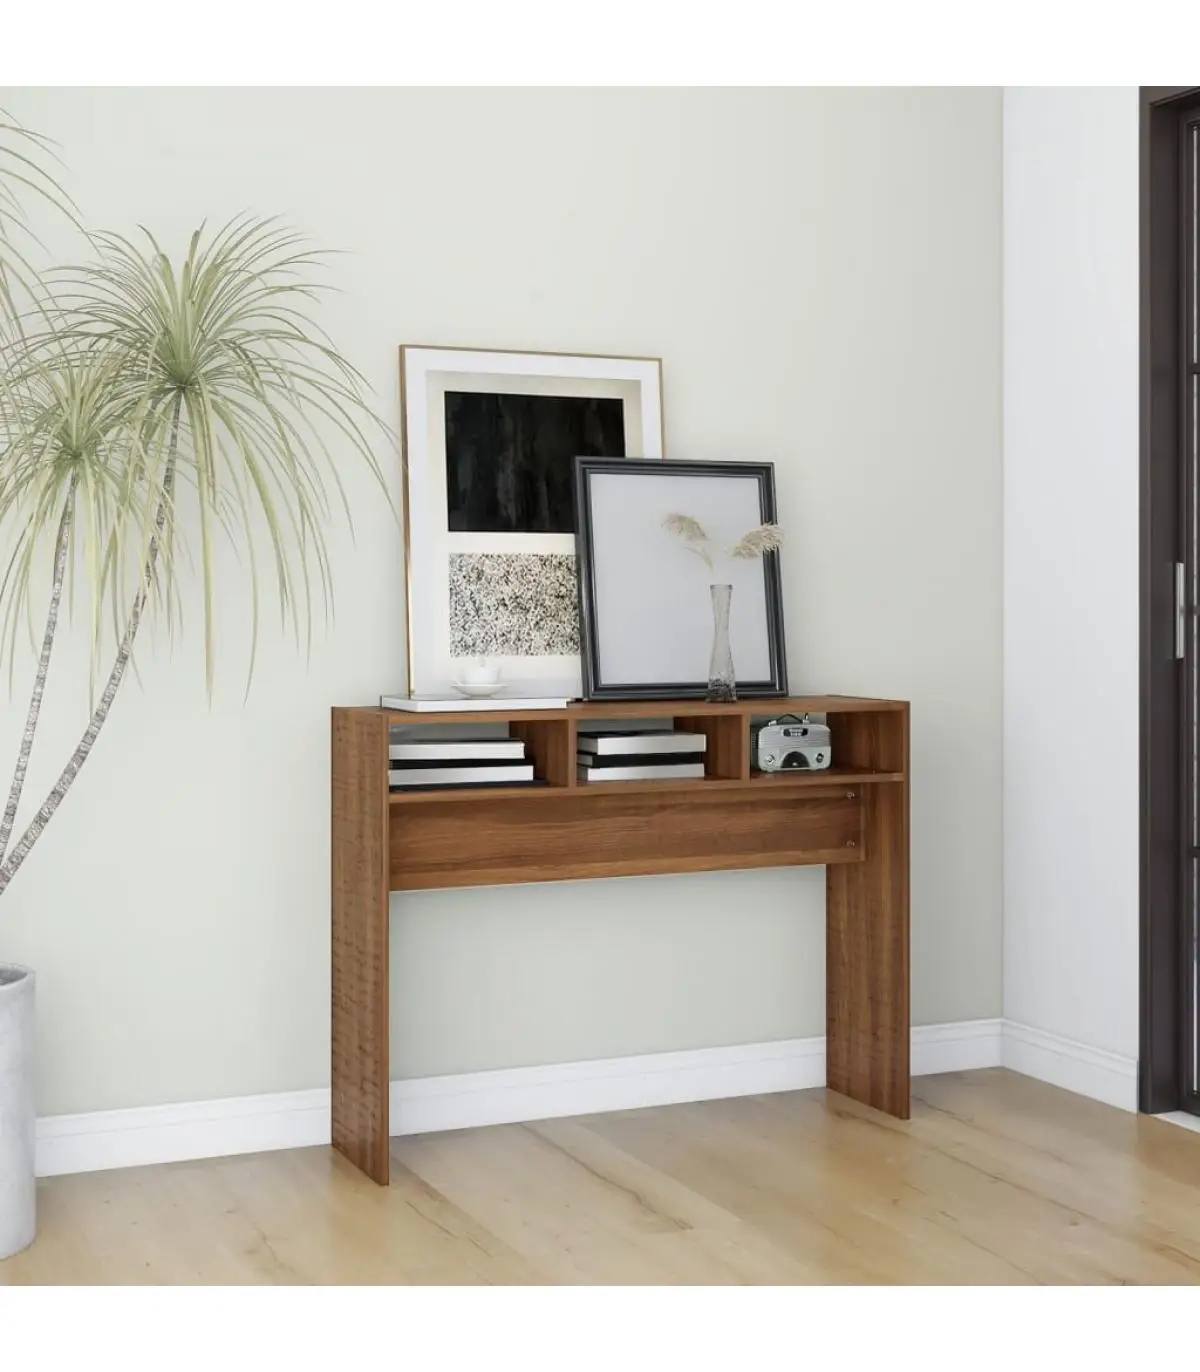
[[650, 709]]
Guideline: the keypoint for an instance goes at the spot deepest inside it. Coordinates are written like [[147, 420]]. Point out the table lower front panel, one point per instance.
[[493, 842]]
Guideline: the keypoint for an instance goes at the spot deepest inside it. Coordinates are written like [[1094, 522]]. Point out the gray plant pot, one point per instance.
[[18, 1193]]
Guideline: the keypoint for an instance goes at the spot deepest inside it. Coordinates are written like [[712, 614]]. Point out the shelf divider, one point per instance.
[[551, 745], [728, 753]]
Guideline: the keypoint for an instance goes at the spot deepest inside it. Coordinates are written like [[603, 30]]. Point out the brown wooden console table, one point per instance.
[[853, 818]]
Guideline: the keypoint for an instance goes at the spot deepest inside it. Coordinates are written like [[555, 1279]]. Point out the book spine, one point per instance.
[[458, 776], [465, 753], [600, 762], [688, 771], [655, 745]]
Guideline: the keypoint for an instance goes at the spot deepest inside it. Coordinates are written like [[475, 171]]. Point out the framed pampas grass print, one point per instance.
[[490, 440], [665, 549]]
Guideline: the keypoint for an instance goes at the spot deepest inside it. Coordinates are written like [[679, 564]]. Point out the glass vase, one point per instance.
[[722, 680]]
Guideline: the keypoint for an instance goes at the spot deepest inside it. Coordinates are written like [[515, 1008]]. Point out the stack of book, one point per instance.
[[419, 764], [639, 756]]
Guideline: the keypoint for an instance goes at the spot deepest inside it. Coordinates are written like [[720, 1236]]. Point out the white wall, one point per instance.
[[1071, 567], [820, 270]]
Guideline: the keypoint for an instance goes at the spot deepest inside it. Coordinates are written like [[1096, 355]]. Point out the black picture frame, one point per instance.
[[596, 685]]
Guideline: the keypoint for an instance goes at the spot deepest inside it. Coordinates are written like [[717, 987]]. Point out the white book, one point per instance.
[[643, 771], [500, 775], [628, 744], [460, 704], [450, 749]]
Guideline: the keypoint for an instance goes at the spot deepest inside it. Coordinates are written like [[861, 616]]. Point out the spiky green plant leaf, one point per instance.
[[221, 371], [70, 456], [26, 159], [149, 397]]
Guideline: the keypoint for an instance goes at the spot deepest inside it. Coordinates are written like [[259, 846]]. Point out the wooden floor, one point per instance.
[[996, 1179]]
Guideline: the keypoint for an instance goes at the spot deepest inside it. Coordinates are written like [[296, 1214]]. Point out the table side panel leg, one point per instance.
[[867, 928], [360, 1070]]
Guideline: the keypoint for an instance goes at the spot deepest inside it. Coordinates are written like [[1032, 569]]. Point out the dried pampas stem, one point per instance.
[[689, 529], [693, 535], [767, 538]]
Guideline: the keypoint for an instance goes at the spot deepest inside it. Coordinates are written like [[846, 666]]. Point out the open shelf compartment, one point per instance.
[[550, 736]]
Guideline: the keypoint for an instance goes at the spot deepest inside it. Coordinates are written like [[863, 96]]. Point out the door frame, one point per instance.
[[1160, 1063]]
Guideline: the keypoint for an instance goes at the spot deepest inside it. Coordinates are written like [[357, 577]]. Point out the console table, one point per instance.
[[853, 818]]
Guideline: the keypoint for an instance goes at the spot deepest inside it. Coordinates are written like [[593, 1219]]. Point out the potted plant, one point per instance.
[[148, 407]]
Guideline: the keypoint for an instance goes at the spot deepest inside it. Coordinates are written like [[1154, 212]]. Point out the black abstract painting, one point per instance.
[[509, 458]]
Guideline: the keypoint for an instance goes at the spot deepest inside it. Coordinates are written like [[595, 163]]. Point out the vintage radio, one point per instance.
[[791, 744]]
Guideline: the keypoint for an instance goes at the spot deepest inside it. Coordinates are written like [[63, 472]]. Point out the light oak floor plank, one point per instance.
[[997, 1179]]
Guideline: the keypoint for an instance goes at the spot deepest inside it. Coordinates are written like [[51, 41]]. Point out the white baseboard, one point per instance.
[[1094, 1072], [299, 1119], [148, 1134], [960, 1047], [432, 1104]]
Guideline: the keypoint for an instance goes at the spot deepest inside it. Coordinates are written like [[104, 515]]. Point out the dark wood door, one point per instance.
[[1187, 603], [1169, 1053]]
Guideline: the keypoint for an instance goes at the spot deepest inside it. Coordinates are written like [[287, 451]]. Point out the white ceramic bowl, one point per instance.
[[479, 690]]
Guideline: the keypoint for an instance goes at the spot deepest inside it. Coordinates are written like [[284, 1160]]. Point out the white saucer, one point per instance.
[[478, 690]]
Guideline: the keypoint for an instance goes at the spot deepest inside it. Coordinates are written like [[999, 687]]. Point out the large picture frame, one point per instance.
[[645, 604], [489, 440]]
